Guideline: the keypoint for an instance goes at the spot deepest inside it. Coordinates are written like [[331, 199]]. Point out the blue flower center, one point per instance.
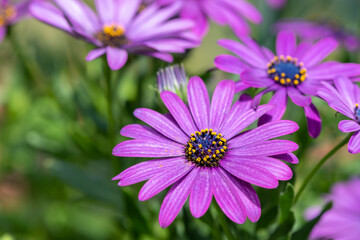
[[206, 148], [112, 35], [286, 71], [357, 112]]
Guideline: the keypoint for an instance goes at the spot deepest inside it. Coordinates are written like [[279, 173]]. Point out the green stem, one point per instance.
[[319, 165], [224, 224]]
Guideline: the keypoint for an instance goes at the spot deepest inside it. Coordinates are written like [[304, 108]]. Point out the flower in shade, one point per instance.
[[342, 221], [345, 98], [120, 28], [199, 151], [277, 3], [313, 31], [223, 12], [173, 79], [11, 13], [295, 71]]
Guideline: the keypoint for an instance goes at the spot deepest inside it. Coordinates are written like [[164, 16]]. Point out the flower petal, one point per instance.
[[148, 148], [329, 70], [162, 124], [179, 111], [199, 102], [163, 180], [319, 51], [175, 198], [265, 132], [285, 43], [126, 10], [201, 193], [146, 170], [279, 101], [298, 98], [249, 78], [237, 120], [116, 57], [288, 157], [228, 201], [348, 126], [96, 53], [143, 132], [313, 120], [271, 147], [229, 63], [354, 143], [346, 89], [221, 103], [251, 174]]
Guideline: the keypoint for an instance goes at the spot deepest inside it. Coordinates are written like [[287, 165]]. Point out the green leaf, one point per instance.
[[304, 231], [285, 203], [282, 232]]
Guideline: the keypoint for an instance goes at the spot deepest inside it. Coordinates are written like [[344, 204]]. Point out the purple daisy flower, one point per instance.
[[199, 151], [120, 28], [342, 221], [295, 71], [345, 98], [223, 12], [11, 13], [277, 3], [313, 31]]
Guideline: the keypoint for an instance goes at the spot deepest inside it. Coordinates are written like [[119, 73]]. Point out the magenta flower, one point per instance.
[[120, 29], [295, 71], [342, 221], [11, 13], [199, 151], [345, 98], [223, 12], [313, 31], [277, 3]]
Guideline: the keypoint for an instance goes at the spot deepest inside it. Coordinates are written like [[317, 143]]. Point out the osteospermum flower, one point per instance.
[[345, 98], [295, 71], [173, 79], [120, 28], [342, 221], [11, 13], [277, 3], [199, 151], [313, 31], [223, 12]]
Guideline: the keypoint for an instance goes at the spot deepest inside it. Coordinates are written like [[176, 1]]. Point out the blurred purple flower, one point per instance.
[[342, 221], [345, 98], [120, 29], [223, 12], [277, 3], [296, 72], [11, 13], [313, 31], [202, 153]]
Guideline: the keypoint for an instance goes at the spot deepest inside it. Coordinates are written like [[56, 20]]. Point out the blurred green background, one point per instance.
[[55, 146]]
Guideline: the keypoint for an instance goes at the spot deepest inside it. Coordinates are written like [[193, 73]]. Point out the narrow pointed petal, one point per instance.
[[288, 157], [229, 202], [201, 193], [279, 101], [313, 120], [148, 148], [271, 147], [175, 198], [251, 174], [116, 57], [231, 64], [199, 102], [221, 103], [285, 43], [249, 78], [354, 143], [163, 180], [142, 132], [265, 132], [162, 124], [346, 89], [179, 111], [349, 126], [319, 51]]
